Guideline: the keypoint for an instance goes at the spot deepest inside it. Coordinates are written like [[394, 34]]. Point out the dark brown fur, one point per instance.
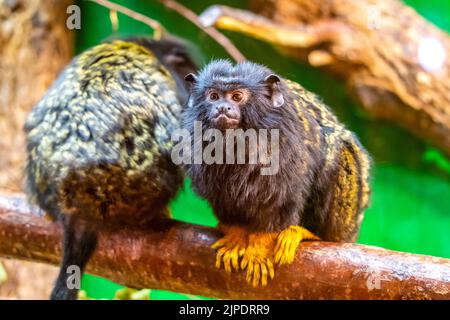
[[322, 183]]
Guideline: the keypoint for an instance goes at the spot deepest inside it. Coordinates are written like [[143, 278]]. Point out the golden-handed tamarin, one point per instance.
[[319, 190], [99, 142]]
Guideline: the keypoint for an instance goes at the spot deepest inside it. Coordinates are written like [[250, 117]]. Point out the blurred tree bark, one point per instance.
[[34, 46], [394, 62]]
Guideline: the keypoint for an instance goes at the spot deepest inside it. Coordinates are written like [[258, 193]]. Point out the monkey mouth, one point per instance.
[[222, 121]]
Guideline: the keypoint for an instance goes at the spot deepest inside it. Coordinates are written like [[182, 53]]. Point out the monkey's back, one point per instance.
[[99, 141], [341, 191]]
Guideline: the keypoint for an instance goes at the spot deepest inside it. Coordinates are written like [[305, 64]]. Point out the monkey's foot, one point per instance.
[[231, 247], [288, 241], [258, 258]]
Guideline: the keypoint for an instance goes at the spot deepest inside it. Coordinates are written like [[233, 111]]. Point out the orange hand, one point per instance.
[[287, 242]]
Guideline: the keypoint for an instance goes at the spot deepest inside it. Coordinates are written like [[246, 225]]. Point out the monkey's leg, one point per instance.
[[231, 247], [287, 242], [349, 195], [77, 249], [258, 257]]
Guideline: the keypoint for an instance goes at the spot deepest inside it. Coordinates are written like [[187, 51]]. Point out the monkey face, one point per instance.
[[224, 107], [244, 96]]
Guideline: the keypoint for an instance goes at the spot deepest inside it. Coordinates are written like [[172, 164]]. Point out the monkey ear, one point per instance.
[[191, 78], [271, 79], [277, 96]]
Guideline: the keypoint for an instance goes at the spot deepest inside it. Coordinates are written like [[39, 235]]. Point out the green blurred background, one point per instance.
[[410, 208]]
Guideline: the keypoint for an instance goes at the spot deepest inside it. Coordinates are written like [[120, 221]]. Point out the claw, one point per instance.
[[235, 258], [244, 263], [270, 268], [230, 248], [258, 257], [259, 272], [279, 250], [256, 275], [219, 258], [227, 262], [218, 244], [263, 275], [255, 253], [249, 273]]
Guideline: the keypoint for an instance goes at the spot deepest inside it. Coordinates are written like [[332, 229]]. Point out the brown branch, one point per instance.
[[380, 50], [212, 32], [155, 25], [259, 27], [178, 257]]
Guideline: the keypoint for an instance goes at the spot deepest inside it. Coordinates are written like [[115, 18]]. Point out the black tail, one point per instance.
[[79, 244]]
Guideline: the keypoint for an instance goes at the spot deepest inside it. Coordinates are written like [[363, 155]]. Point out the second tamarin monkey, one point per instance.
[[319, 190], [99, 142]]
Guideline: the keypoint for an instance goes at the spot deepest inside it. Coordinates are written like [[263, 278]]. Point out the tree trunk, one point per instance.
[[34, 46], [394, 62]]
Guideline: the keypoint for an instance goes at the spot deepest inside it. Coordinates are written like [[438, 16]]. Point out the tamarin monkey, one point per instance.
[[319, 191], [99, 142]]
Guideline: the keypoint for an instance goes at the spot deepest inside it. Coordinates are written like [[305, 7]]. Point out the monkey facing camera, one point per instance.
[[319, 191]]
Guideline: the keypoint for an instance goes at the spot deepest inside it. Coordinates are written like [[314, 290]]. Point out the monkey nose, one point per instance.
[[223, 109]]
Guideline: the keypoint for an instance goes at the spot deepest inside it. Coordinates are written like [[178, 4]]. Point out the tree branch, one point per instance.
[[177, 257], [155, 25], [394, 62], [183, 11]]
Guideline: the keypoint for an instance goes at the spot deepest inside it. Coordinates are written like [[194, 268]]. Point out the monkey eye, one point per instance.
[[237, 96], [214, 96]]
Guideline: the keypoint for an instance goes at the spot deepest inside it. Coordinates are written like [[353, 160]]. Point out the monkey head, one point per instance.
[[226, 96], [175, 54]]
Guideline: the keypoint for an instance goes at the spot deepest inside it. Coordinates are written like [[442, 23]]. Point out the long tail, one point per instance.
[[78, 247]]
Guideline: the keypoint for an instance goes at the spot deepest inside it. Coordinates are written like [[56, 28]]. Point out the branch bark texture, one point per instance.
[[177, 256]]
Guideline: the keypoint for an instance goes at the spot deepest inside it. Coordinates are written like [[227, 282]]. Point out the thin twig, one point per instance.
[[155, 25], [114, 20], [212, 32]]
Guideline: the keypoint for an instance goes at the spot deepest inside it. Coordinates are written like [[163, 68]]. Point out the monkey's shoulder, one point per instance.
[[117, 54], [102, 88], [309, 104], [122, 65], [325, 130]]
